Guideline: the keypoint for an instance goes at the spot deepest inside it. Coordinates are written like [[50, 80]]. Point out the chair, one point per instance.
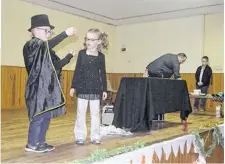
[[111, 94], [107, 105]]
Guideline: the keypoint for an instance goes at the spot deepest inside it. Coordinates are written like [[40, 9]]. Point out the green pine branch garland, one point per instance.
[[218, 139], [219, 136], [101, 154]]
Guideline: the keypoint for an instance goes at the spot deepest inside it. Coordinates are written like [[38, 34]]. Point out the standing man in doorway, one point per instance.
[[165, 67], [203, 77]]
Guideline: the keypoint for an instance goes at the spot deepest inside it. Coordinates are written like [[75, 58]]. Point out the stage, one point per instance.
[[60, 134]]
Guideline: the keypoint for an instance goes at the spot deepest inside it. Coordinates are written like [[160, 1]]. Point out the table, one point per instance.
[[207, 96], [194, 96], [140, 99]]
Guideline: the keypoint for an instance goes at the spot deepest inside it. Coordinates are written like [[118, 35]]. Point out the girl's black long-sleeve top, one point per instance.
[[90, 74]]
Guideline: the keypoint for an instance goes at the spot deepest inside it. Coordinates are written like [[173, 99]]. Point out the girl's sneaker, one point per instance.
[[96, 142]]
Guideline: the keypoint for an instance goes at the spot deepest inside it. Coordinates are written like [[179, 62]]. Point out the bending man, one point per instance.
[[166, 66]]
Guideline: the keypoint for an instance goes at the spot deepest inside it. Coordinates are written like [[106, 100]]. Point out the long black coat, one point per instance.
[[43, 89]]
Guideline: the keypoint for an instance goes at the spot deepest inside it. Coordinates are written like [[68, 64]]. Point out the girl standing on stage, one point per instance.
[[89, 83]]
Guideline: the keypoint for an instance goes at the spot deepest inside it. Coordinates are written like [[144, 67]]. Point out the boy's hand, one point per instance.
[[145, 73], [71, 31], [72, 90], [73, 52], [104, 96], [200, 83]]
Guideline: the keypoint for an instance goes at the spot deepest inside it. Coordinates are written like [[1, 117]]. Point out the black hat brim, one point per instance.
[[52, 27]]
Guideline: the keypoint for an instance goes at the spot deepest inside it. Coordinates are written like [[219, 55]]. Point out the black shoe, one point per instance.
[[196, 108], [80, 142], [36, 149], [49, 147]]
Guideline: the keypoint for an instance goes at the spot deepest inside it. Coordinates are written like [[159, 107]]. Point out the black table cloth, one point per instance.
[[140, 99]]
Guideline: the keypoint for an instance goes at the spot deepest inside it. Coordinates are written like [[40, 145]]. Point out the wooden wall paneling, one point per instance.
[[64, 82], [115, 78], [14, 80], [68, 82], [139, 75], [218, 83], [3, 87], [16, 88], [190, 79], [11, 85], [221, 81], [218, 86], [23, 81]]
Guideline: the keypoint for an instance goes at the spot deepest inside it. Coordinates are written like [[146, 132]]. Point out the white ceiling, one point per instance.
[[118, 12]]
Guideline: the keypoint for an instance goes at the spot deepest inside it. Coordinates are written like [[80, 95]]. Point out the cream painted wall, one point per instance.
[[214, 40], [148, 41], [144, 42], [16, 20]]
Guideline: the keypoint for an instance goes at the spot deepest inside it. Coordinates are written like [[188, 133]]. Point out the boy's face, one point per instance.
[[43, 32], [204, 62]]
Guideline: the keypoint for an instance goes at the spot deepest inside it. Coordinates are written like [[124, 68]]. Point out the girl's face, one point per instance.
[[92, 41]]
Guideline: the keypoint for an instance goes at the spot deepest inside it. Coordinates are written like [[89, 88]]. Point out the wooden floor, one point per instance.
[[14, 136]]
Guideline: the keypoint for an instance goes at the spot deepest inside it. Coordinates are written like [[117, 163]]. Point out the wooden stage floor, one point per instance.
[[14, 136]]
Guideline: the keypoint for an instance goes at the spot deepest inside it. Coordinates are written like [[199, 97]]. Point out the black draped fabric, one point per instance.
[[43, 90], [140, 99]]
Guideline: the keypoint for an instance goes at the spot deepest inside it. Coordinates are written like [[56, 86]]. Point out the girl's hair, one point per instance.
[[101, 36]]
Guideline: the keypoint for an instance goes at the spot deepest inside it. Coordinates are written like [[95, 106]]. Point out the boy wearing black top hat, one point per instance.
[[43, 95]]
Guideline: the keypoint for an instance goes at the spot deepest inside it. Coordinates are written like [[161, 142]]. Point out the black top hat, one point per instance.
[[40, 20]]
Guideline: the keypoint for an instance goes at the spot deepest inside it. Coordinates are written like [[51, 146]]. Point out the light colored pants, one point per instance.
[[80, 129]]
